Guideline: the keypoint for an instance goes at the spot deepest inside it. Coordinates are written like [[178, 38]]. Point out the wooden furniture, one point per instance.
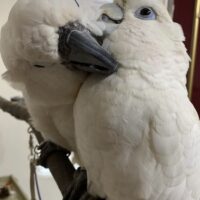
[[9, 190], [187, 13]]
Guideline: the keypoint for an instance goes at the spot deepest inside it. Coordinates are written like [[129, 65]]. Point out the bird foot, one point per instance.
[[47, 148], [78, 189]]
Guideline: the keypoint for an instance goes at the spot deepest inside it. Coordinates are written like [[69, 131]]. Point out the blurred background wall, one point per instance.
[[184, 14], [14, 138]]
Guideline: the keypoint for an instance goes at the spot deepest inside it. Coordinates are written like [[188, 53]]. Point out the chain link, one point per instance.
[[33, 157]]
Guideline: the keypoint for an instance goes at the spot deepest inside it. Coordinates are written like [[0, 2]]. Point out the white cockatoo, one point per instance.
[[138, 134], [39, 42]]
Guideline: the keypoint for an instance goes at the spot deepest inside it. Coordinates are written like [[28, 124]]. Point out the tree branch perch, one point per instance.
[[14, 109]]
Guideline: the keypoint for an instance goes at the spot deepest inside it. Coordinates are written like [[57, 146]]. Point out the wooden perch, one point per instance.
[[16, 110]]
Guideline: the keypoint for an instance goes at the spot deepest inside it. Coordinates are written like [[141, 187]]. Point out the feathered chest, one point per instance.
[[124, 105]]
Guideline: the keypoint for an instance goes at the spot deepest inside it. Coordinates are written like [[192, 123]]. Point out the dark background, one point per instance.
[[184, 14]]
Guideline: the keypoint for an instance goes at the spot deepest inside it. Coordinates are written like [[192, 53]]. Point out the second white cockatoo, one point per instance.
[[139, 135], [42, 45]]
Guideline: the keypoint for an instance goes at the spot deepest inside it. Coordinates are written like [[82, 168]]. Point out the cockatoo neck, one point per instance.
[[158, 66], [49, 86], [52, 86], [148, 72], [152, 49]]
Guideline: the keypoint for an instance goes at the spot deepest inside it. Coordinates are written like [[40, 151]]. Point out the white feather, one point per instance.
[[30, 37], [137, 133]]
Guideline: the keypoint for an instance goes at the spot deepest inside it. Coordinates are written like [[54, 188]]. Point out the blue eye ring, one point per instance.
[[146, 13]]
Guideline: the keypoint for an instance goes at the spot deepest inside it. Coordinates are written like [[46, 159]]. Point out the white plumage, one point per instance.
[[30, 38], [137, 133]]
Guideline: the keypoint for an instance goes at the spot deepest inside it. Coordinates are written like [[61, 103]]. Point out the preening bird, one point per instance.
[[42, 45], [139, 135]]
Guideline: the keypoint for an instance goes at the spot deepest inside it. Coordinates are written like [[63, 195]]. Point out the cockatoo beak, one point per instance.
[[84, 50]]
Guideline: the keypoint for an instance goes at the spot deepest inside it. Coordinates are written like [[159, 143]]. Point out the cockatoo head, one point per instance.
[[51, 32], [149, 42]]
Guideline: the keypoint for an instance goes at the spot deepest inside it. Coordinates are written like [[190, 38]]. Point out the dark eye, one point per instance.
[[105, 18], [108, 19], [146, 13]]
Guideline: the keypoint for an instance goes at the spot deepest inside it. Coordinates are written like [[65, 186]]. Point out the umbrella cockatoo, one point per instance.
[[138, 134], [40, 44]]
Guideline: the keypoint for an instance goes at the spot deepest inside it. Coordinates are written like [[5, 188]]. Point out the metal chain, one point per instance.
[[33, 157]]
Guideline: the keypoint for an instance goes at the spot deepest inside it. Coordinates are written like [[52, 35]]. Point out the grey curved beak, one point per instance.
[[86, 53]]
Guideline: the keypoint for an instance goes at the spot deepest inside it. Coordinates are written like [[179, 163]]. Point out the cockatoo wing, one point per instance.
[[30, 48], [175, 139]]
